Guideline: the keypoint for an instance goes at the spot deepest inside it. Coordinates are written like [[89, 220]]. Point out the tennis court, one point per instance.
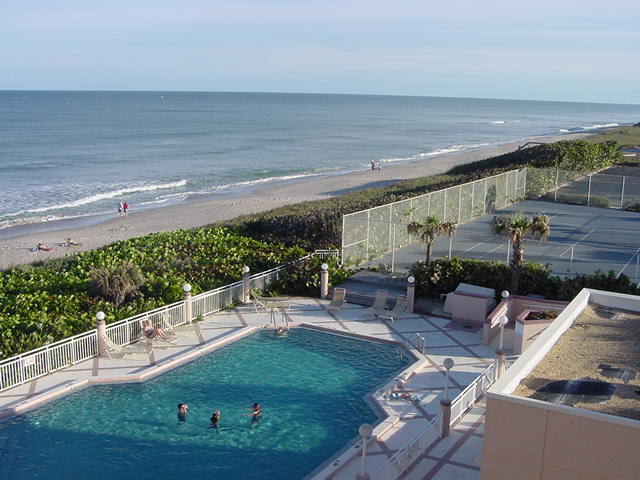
[[583, 239]]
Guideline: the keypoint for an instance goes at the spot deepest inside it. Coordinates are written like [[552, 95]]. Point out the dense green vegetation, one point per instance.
[[625, 136], [444, 275], [46, 302]]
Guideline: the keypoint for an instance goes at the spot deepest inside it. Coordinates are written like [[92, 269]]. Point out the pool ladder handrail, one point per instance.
[[422, 342]]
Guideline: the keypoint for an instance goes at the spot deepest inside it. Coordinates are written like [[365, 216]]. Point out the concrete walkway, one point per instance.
[[453, 457]]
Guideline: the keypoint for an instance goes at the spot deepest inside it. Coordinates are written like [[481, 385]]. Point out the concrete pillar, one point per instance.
[[502, 363], [186, 296], [324, 280], [101, 331], [246, 285], [411, 293], [445, 405]]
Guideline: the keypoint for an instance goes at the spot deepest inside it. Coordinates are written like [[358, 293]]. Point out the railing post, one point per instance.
[[459, 202], [445, 403], [555, 191], [186, 297], [622, 193], [324, 280], [246, 285], [365, 432], [589, 191], [411, 293], [500, 356], [101, 331], [393, 250]]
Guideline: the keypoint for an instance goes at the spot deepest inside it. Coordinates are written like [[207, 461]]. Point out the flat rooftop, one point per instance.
[[600, 336]]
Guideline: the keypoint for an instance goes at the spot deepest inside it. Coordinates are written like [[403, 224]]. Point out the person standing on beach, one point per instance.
[[125, 207], [373, 165], [120, 207]]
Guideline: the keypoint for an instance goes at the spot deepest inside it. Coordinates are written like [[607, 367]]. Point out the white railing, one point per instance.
[[44, 360], [474, 390], [404, 457], [39, 362]]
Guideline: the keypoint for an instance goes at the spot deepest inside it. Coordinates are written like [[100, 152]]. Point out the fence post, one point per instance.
[[589, 191], [637, 265], [429, 205], [484, 203], [101, 331], [445, 405], [571, 259], [459, 202], [508, 249], [343, 222], [473, 199], [411, 293], [444, 216], [393, 250], [324, 280], [622, 193], [246, 284], [186, 297], [555, 192]]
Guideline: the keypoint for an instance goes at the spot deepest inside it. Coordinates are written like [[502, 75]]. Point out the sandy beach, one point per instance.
[[19, 249]]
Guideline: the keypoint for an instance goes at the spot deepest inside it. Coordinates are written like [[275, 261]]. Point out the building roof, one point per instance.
[[600, 336]]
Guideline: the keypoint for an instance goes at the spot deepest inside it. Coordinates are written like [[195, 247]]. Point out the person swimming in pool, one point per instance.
[[256, 412], [215, 419], [183, 408]]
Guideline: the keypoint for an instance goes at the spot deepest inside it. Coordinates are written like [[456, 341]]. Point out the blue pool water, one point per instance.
[[310, 385]]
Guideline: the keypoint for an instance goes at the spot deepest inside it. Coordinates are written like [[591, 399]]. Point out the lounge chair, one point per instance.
[[379, 304], [131, 352], [399, 309], [269, 305], [337, 302]]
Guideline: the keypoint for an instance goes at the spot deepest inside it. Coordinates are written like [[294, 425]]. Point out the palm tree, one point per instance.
[[516, 227], [428, 231], [116, 283]]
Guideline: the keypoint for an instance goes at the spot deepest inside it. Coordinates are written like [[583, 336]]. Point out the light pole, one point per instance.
[[445, 403], [365, 432], [186, 297]]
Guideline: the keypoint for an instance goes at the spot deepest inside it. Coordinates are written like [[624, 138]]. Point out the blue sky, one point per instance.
[[560, 50]]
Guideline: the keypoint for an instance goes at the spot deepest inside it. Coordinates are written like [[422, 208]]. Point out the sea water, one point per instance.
[[67, 154]]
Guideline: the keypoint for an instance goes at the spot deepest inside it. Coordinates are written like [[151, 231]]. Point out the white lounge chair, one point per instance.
[[132, 352], [379, 304], [399, 309], [337, 302], [269, 305]]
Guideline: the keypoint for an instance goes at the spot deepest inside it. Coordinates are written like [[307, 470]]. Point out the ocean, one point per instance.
[[72, 154]]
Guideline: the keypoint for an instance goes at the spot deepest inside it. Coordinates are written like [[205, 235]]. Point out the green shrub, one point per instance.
[[444, 275], [632, 206], [303, 277]]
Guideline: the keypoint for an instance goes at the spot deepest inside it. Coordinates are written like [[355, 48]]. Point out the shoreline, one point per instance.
[[96, 231]]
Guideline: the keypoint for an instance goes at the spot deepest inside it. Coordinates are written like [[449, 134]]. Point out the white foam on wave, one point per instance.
[[497, 122], [101, 196], [563, 130], [598, 125], [258, 181], [431, 153]]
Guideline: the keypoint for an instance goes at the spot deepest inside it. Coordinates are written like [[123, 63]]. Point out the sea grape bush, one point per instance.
[[45, 302]]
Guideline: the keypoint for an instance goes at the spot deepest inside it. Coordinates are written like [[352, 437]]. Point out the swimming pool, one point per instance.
[[310, 385]]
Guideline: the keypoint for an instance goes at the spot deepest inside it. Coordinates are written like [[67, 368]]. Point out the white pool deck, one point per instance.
[[454, 457]]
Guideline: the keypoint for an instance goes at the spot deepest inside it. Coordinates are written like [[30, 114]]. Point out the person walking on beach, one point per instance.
[[373, 165], [125, 208], [120, 207]]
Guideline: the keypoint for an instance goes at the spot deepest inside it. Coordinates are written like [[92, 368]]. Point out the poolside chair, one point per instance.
[[379, 304], [399, 309], [131, 352], [168, 332], [269, 305], [337, 302]]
